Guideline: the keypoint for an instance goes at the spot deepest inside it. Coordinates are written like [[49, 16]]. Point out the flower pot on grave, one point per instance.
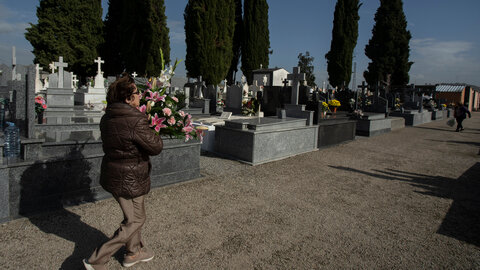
[[40, 118]]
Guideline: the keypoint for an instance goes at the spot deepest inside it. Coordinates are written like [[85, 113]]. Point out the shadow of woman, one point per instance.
[[52, 185]]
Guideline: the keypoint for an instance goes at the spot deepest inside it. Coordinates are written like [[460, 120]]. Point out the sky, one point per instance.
[[445, 44]]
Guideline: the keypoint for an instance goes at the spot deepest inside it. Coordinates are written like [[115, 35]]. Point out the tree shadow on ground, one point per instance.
[[459, 142], [52, 185], [452, 129], [463, 218]]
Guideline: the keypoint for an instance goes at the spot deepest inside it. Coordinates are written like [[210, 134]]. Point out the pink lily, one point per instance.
[[159, 126], [187, 129], [142, 108]]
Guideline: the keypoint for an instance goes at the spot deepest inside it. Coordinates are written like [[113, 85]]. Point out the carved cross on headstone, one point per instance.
[[60, 64], [52, 67], [37, 70], [296, 77], [225, 85], [99, 62], [74, 81], [134, 74]]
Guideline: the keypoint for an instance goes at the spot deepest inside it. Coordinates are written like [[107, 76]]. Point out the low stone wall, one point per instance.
[[397, 122], [335, 131], [68, 173], [414, 118]]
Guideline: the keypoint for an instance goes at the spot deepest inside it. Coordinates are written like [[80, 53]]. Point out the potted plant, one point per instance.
[[325, 109], [334, 104]]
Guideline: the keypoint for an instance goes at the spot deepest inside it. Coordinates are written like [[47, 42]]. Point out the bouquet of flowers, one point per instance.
[[40, 104], [334, 103], [248, 107], [164, 117], [221, 103], [324, 106]]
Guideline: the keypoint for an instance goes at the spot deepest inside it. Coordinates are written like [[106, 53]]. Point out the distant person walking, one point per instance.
[[460, 113], [128, 142]]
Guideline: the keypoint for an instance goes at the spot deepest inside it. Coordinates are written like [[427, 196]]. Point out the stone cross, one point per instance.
[[99, 61], [225, 85], [134, 74], [285, 82], [60, 64], [296, 77], [52, 67], [74, 81]]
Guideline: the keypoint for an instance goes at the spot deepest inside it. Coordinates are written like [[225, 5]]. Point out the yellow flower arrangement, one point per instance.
[[334, 103], [324, 106]]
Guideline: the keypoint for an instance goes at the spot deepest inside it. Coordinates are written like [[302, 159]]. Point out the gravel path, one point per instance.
[[409, 199]]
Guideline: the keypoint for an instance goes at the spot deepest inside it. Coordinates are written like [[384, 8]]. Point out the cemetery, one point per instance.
[[253, 124]]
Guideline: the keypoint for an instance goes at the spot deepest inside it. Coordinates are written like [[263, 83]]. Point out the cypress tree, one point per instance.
[[256, 37], [389, 47], [344, 40], [209, 29], [237, 41], [72, 29], [111, 50], [135, 32], [305, 62]]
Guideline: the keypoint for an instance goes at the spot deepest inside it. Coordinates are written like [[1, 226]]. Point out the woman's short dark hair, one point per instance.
[[121, 89]]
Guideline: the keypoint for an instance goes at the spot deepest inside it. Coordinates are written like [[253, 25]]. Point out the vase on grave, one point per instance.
[[40, 118]]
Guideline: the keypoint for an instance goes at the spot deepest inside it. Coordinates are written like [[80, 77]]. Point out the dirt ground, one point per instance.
[[409, 199]]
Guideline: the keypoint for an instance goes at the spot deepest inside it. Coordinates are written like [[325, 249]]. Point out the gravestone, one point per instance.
[[59, 94], [212, 95], [294, 109], [96, 95], [274, 97], [23, 102], [233, 102], [254, 88]]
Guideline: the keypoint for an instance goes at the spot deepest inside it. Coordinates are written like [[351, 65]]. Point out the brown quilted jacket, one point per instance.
[[128, 142]]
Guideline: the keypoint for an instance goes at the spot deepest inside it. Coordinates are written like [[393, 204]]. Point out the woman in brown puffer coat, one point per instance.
[[128, 141]]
